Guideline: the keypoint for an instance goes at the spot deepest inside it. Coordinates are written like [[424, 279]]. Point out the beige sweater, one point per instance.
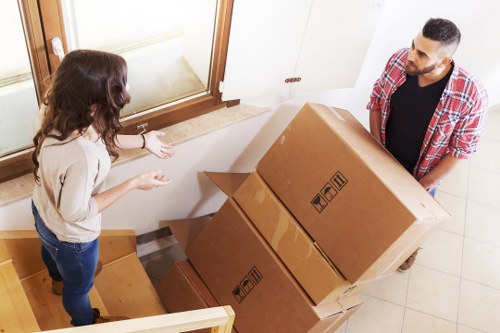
[[71, 172]]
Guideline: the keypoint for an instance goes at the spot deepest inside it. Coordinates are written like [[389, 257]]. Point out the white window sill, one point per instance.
[[22, 187]]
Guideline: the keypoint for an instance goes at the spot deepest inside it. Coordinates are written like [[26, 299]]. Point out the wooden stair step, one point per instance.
[[16, 314], [115, 244], [23, 247], [126, 289], [47, 307]]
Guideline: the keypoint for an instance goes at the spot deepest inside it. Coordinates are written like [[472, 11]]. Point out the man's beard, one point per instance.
[[422, 71]]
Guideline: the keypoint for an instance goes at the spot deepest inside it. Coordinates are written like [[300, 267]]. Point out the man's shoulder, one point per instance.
[[399, 56], [397, 61], [465, 81]]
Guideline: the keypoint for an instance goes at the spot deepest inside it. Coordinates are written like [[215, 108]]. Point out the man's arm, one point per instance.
[[375, 125], [445, 166]]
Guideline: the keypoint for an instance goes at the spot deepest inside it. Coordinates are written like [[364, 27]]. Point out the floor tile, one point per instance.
[[464, 329], [456, 207], [456, 181], [482, 223], [484, 186], [433, 292], [492, 125], [487, 155], [391, 288], [479, 307], [481, 263], [418, 322], [443, 252], [376, 316]]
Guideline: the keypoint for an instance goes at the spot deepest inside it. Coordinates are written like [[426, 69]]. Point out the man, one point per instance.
[[426, 110]]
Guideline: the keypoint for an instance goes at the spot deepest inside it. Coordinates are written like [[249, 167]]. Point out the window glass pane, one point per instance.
[[167, 43], [18, 101]]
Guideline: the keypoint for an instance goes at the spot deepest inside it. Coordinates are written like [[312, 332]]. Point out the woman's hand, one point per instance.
[[144, 181], [155, 146], [150, 180]]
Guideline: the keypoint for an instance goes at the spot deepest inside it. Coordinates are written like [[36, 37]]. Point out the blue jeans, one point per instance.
[[75, 264]]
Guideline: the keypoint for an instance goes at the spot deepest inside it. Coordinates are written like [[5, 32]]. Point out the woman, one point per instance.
[[72, 159]]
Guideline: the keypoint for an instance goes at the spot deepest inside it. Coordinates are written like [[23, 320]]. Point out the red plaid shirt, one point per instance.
[[457, 121]]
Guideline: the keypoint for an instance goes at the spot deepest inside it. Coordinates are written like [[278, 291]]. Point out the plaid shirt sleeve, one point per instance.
[[457, 123], [465, 137], [387, 82], [392, 77]]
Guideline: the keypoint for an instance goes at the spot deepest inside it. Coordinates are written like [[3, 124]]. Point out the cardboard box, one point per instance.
[[365, 211], [314, 272], [241, 270], [182, 289]]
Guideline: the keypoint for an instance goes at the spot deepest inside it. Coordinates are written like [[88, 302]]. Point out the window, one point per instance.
[[175, 50]]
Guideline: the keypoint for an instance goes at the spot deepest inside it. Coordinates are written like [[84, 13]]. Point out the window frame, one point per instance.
[[43, 21]]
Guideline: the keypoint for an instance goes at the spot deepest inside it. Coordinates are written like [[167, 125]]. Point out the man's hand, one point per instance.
[[428, 183], [444, 167]]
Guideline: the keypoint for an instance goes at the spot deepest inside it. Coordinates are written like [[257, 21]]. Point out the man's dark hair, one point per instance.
[[444, 31]]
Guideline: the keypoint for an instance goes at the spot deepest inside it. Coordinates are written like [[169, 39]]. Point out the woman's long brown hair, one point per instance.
[[89, 88]]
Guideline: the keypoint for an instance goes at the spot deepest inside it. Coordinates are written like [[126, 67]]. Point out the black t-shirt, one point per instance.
[[412, 108]]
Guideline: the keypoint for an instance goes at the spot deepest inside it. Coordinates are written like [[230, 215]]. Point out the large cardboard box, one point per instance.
[[241, 270], [311, 268], [366, 212]]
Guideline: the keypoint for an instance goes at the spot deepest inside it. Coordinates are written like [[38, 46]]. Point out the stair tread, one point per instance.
[[48, 308], [126, 289], [23, 247], [15, 311], [25, 253]]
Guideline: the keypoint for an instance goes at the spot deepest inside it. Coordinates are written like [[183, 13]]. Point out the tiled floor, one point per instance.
[[454, 286]]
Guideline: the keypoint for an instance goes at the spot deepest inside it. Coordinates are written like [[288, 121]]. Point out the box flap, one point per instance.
[[341, 305], [228, 182], [186, 230]]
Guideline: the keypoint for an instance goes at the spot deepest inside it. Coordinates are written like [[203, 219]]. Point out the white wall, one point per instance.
[[236, 148]]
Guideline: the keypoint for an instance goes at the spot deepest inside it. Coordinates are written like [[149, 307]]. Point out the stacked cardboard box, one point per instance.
[[361, 207], [181, 289], [327, 211], [319, 278], [242, 270]]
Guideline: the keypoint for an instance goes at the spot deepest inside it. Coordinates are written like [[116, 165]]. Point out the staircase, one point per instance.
[[123, 288]]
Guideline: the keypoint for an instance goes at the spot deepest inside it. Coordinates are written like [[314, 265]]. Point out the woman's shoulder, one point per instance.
[[71, 150]]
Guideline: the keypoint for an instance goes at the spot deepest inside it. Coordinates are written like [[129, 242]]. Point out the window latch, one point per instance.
[[142, 128], [57, 48]]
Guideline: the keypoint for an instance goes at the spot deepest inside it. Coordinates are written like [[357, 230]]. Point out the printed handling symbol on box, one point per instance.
[[246, 284], [319, 203], [239, 294], [255, 275], [338, 180], [329, 192]]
